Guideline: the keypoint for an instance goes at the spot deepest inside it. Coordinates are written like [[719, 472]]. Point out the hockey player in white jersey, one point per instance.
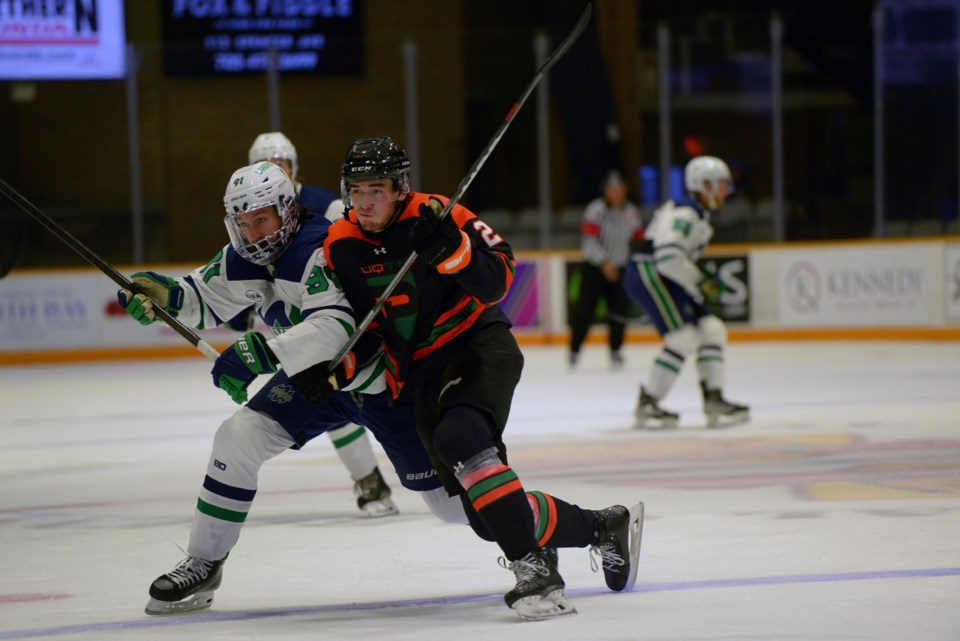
[[278, 149], [275, 262], [665, 280], [352, 443]]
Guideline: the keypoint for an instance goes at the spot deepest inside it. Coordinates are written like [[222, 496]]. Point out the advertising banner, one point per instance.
[[40, 312], [951, 280], [221, 38], [62, 40], [732, 270], [522, 302], [865, 286]]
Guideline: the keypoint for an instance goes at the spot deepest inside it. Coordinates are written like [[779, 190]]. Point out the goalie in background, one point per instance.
[[665, 280]]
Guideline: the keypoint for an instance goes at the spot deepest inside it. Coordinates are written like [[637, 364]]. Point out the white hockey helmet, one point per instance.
[[252, 187], [707, 169], [273, 145]]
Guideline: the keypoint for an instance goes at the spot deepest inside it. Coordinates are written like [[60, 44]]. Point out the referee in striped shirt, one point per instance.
[[610, 223]]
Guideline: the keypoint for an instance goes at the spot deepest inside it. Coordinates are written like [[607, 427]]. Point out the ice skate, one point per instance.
[[650, 415], [617, 544], [373, 495], [189, 587], [617, 361], [721, 412], [539, 590], [553, 555]]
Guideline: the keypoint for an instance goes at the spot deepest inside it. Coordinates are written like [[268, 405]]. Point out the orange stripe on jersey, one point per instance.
[[460, 258], [509, 265], [349, 365], [444, 317], [464, 325]]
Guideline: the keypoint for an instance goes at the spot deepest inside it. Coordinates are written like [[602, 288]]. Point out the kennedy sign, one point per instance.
[[855, 286]]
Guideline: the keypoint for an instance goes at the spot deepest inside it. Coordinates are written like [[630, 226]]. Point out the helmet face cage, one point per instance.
[[263, 184], [271, 146], [371, 159]]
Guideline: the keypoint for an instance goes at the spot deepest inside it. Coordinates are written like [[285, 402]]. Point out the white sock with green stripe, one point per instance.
[[666, 368], [710, 366], [353, 446], [243, 443]]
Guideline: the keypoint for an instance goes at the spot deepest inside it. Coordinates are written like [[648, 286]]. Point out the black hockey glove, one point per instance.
[[437, 240], [317, 385]]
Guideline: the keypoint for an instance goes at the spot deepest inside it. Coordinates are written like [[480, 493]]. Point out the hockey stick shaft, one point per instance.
[[68, 239], [468, 179]]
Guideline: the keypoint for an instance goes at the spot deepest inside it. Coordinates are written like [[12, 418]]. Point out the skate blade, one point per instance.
[[720, 422], [644, 423], [380, 508], [636, 534], [534, 608], [193, 603]]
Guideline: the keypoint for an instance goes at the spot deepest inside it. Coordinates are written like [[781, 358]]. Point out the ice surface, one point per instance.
[[834, 514]]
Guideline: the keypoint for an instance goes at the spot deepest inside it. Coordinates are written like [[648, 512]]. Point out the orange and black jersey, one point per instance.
[[427, 311]]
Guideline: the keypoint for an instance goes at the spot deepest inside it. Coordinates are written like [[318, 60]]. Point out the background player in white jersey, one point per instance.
[[665, 279], [275, 259], [278, 149], [352, 443]]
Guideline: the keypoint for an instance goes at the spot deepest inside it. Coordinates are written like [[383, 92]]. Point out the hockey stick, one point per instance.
[[11, 247], [465, 183], [203, 346]]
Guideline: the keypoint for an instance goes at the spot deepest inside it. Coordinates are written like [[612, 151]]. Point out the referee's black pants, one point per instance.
[[593, 285]]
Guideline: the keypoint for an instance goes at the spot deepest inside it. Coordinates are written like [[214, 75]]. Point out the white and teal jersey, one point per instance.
[[298, 298], [679, 232]]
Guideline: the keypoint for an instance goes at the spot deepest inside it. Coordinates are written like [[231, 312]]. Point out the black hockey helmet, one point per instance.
[[373, 158]]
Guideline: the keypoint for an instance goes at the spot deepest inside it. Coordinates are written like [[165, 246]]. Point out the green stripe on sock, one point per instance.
[[349, 438], [666, 365], [491, 483], [220, 513], [541, 524]]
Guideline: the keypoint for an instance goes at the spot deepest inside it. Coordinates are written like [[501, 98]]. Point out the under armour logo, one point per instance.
[[455, 381], [380, 250]]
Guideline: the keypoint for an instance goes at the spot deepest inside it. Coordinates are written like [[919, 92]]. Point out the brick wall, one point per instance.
[[71, 140]]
